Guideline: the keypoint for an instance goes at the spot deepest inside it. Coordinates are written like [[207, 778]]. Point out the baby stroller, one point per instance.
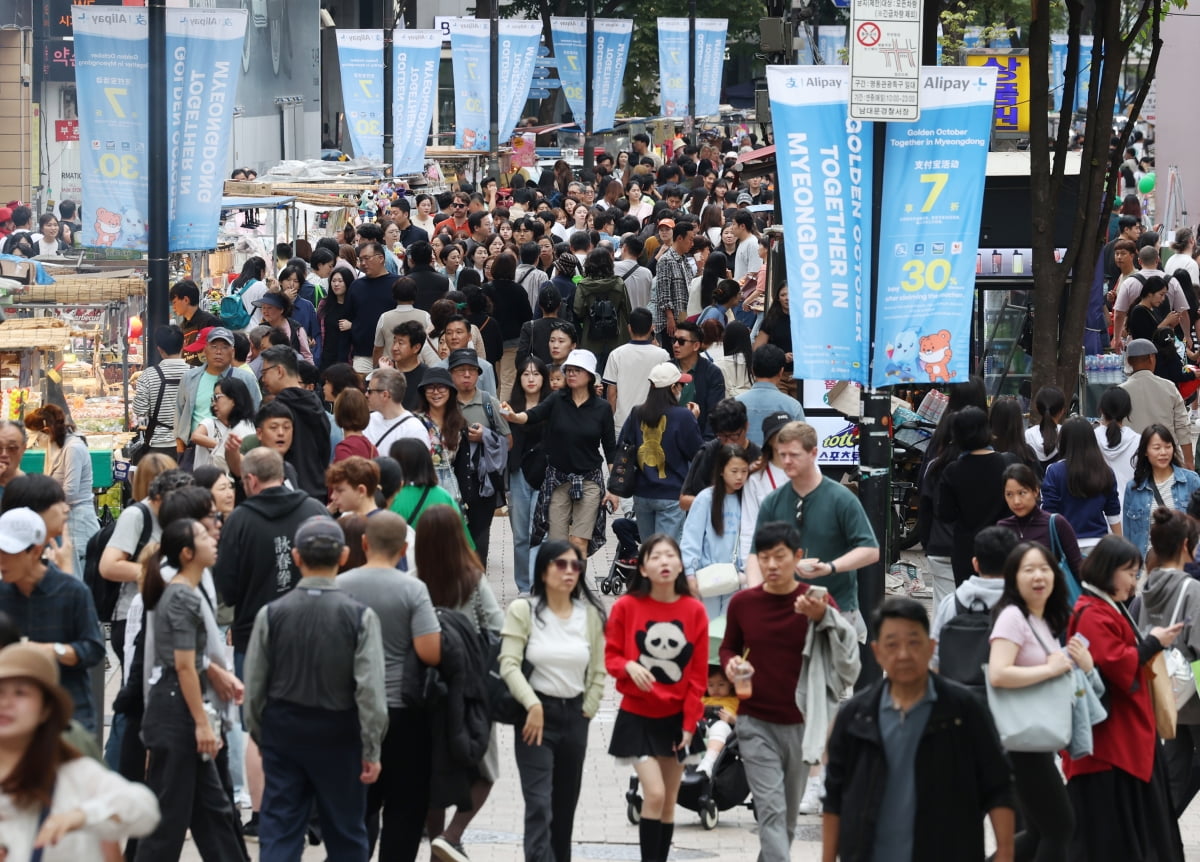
[[625, 561], [726, 789]]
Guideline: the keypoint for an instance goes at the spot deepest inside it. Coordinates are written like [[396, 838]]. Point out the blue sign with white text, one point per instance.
[[470, 52], [824, 159], [416, 57], [360, 54], [933, 179], [610, 43]]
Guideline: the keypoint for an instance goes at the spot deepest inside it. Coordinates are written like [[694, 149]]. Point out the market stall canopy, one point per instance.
[[265, 202], [756, 163]]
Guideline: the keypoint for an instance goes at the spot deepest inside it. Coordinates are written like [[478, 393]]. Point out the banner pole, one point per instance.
[[157, 178], [690, 122], [589, 63], [389, 120], [494, 96]]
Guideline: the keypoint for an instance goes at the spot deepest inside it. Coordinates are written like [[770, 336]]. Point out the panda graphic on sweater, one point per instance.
[[664, 650]]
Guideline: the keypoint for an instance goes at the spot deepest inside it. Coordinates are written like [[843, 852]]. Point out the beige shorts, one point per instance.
[[574, 517]]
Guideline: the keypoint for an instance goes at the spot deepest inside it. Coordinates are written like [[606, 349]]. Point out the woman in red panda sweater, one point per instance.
[[656, 647]]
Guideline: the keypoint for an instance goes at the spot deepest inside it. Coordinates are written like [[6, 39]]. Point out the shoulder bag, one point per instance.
[[1036, 718], [1179, 669], [1060, 556], [502, 706], [720, 579], [622, 478]]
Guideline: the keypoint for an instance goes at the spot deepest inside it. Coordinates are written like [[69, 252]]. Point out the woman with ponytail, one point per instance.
[[1051, 405], [1118, 442]]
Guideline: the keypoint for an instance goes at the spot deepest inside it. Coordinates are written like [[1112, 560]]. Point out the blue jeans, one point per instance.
[[658, 516], [521, 503]]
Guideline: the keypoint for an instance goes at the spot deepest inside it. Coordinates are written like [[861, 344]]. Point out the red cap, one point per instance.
[[5, 214]]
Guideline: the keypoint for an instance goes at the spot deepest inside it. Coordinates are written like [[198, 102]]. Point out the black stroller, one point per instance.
[[726, 789], [625, 560]]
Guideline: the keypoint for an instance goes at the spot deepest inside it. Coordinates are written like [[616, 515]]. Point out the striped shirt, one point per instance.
[[147, 394]]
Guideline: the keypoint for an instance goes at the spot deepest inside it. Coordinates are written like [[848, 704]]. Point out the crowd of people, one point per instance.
[[328, 452]]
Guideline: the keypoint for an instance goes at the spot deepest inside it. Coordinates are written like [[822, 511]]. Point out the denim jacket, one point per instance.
[[1139, 500]]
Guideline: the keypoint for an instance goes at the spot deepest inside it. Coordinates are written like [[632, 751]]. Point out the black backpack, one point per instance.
[[104, 591], [963, 645], [603, 322]]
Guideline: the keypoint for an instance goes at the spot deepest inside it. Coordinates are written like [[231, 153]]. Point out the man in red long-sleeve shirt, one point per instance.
[[771, 621]]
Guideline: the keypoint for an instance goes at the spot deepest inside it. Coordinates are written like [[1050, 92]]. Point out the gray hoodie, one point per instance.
[[974, 588], [1160, 592]]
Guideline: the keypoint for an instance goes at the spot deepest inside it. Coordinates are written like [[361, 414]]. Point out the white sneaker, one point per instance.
[[813, 793]]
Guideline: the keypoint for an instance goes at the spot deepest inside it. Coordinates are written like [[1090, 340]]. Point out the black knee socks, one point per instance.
[[650, 839], [664, 845]]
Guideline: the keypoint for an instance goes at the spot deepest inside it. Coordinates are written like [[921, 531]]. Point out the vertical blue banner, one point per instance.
[[933, 178], [470, 51], [360, 54], [824, 160], [673, 66], [204, 56], [519, 42], [610, 49], [612, 37], [1058, 67], [1084, 85], [710, 64], [416, 56], [112, 62]]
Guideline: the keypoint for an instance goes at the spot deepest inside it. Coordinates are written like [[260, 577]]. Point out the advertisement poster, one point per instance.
[[204, 50], [610, 41], [825, 172], [519, 41], [933, 179], [470, 51], [112, 61], [416, 56], [360, 53], [673, 65]]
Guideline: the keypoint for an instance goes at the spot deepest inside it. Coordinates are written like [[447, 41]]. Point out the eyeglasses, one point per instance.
[[364, 257], [573, 566], [216, 517], [679, 340], [369, 391], [10, 450]]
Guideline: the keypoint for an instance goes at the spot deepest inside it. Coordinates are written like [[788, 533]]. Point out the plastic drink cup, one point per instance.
[[742, 685]]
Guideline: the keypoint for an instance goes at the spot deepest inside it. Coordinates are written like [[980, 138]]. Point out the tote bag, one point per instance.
[[1036, 718]]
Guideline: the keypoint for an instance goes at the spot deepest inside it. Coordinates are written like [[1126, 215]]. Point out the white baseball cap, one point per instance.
[[667, 374], [20, 530]]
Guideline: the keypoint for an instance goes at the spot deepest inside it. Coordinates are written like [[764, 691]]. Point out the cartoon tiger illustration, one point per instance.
[[108, 227], [935, 356]]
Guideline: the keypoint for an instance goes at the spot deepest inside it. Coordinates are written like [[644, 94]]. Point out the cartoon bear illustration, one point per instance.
[[108, 227], [133, 227], [936, 355], [903, 355], [664, 649]]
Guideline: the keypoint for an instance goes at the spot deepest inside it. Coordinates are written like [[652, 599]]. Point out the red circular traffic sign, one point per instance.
[[868, 34]]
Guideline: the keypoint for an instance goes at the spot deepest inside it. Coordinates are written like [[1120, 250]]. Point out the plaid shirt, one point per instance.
[[60, 610], [672, 277]]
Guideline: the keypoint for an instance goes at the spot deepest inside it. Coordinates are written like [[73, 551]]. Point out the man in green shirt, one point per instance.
[[836, 537]]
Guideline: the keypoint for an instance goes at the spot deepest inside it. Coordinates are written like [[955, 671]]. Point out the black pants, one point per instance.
[[551, 775], [1182, 761], [189, 789], [1045, 808], [480, 513], [402, 790]]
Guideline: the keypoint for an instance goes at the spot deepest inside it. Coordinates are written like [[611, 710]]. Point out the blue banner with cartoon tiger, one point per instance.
[[933, 178]]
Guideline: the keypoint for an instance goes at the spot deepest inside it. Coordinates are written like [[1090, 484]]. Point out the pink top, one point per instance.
[[1016, 627]]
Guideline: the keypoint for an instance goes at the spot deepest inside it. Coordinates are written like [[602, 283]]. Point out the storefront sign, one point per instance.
[[933, 178], [673, 64], [66, 130], [825, 174], [1011, 109], [837, 440]]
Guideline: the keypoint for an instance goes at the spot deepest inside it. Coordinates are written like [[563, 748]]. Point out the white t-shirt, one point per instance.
[[1183, 261], [385, 432], [756, 489], [1033, 436], [746, 260], [220, 432], [628, 367], [559, 652]]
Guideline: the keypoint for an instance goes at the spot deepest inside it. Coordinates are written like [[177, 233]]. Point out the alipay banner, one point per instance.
[[824, 160], [610, 48], [519, 42], [673, 64], [933, 180], [112, 62], [360, 53], [416, 56], [470, 51], [204, 55]]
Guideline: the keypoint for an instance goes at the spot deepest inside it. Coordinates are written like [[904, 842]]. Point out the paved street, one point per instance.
[[601, 828]]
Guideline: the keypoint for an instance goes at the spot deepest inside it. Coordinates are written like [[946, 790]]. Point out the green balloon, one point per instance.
[[1146, 183]]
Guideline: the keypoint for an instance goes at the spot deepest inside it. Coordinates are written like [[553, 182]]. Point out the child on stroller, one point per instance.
[[720, 714]]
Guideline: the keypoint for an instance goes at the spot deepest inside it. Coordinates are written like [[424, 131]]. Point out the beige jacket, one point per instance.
[[518, 623], [1156, 400]]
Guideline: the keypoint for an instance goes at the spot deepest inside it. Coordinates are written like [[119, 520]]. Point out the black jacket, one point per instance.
[[961, 773], [456, 698], [255, 564], [431, 286], [710, 389], [310, 452]]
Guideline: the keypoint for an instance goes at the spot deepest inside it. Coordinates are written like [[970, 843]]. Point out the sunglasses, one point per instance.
[[573, 566], [679, 340], [457, 206]]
